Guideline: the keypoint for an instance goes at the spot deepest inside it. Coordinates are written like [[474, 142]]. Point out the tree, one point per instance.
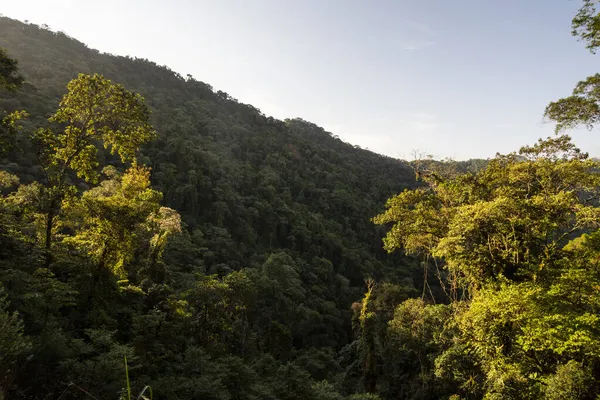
[[509, 220], [276, 241], [10, 81], [121, 216], [93, 110], [519, 237], [586, 25], [369, 345], [583, 106]]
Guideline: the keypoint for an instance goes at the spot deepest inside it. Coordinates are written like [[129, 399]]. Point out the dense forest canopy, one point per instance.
[[256, 281], [160, 238]]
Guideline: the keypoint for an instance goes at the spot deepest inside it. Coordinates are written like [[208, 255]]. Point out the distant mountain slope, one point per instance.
[[247, 181], [284, 202]]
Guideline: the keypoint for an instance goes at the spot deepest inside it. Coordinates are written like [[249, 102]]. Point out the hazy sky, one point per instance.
[[453, 78]]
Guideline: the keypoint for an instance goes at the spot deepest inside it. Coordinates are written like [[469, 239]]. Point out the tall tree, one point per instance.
[[93, 111], [511, 219], [518, 238]]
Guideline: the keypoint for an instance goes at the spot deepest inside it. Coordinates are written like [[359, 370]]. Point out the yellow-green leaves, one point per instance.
[[7, 180], [165, 223], [522, 237], [570, 382], [115, 218], [95, 109], [417, 323], [419, 218], [510, 219]]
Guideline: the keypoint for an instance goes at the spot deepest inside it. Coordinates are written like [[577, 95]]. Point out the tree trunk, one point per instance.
[[48, 243]]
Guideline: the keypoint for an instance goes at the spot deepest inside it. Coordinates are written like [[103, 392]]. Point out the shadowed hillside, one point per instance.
[[276, 217]]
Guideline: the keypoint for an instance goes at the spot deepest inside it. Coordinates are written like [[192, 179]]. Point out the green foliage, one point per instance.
[[95, 109], [112, 219], [368, 321], [364, 396], [14, 346], [511, 219], [232, 267], [586, 25], [518, 240], [10, 79], [226, 270], [571, 381], [582, 107], [9, 128]]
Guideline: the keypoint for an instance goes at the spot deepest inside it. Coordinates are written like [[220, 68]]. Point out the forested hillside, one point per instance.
[[250, 300], [159, 239]]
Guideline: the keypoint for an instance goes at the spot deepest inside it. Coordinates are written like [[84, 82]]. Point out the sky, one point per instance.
[[459, 79]]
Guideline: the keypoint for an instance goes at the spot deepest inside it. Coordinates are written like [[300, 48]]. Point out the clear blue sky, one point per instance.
[[460, 79]]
